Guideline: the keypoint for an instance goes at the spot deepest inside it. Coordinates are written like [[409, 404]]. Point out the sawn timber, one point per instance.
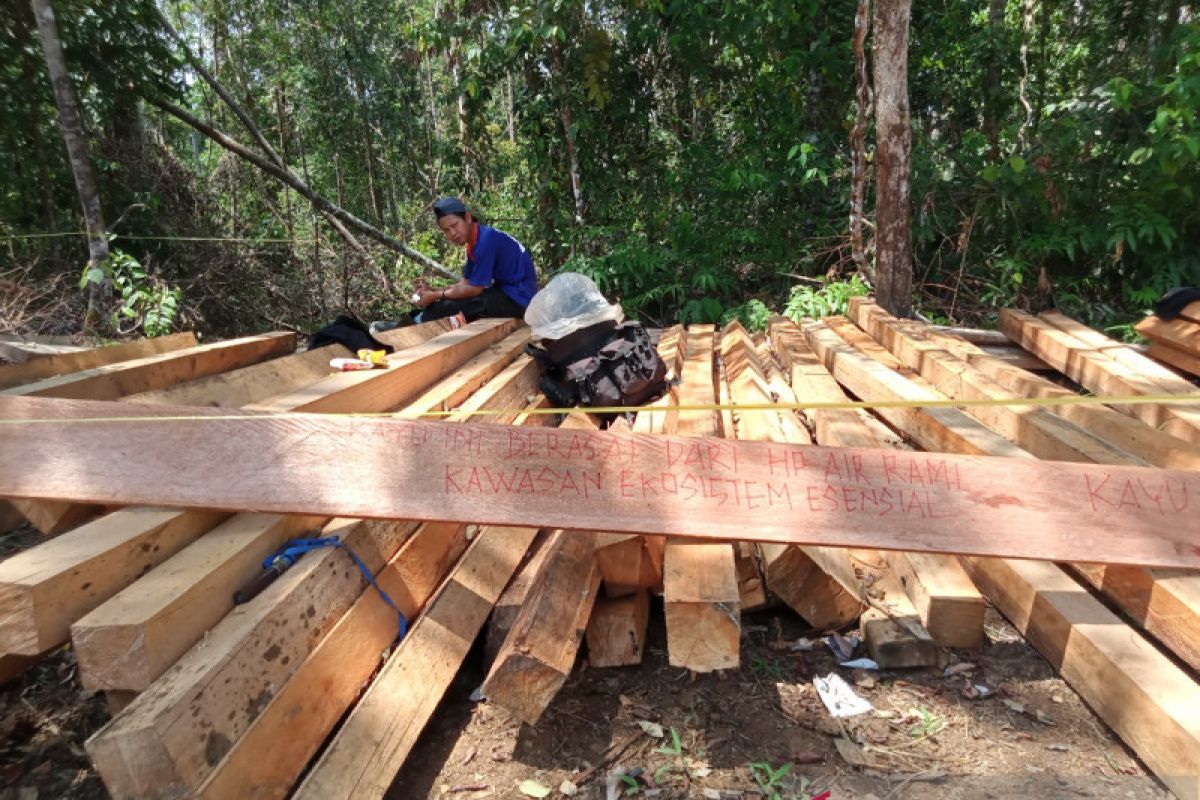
[[705, 488]]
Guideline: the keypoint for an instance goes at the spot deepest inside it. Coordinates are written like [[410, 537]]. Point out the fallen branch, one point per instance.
[[290, 179]]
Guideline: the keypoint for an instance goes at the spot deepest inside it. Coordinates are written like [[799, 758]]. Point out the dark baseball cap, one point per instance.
[[448, 205]]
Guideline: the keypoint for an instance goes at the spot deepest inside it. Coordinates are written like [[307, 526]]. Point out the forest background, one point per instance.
[[692, 156]]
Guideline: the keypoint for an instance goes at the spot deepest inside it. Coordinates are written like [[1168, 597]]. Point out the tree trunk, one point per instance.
[[1023, 86], [893, 142], [100, 279], [858, 145], [511, 111], [993, 78], [369, 148], [564, 112], [289, 221]]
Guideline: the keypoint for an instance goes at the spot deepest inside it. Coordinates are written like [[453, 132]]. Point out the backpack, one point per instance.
[[602, 365]]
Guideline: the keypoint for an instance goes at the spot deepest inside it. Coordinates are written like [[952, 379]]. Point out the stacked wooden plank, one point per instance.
[[1175, 341], [714, 511]]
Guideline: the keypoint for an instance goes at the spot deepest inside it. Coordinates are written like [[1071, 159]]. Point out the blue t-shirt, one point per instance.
[[500, 260]]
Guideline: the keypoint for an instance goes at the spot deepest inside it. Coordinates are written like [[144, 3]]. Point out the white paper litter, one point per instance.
[[839, 698]]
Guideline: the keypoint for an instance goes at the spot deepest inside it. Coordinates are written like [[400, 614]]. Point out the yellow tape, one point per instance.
[[1072, 400]]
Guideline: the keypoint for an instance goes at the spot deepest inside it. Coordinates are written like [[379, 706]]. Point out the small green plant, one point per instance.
[[675, 748], [147, 301], [830, 299], [679, 768], [630, 787], [927, 723], [752, 313], [768, 778], [766, 668]]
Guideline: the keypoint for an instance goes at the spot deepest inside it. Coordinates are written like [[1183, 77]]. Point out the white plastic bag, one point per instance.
[[570, 302]]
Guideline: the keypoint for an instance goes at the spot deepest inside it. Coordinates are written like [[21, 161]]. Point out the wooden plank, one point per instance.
[[908, 341], [112, 381], [700, 602], [257, 382], [792, 574], [751, 577], [945, 598], [273, 752], [1146, 700], [455, 388], [700, 586], [891, 626], [437, 472], [1191, 312], [142, 623], [1017, 357], [1101, 373], [616, 633], [1166, 603], [49, 366], [537, 657], [21, 349], [1188, 362], [170, 740], [895, 638], [12, 667], [411, 372], [380, 732], [1035, 429], [1163, 602], [505, 612], [1119, 352], [50, 588], [132, 638], [1178, 333], [46, 588], [697, 386], [795, 578], [157, 371], [628, 562], [976, 336], [946, 602], [241, 387], [513, 388], [53, 517], [413, 335]]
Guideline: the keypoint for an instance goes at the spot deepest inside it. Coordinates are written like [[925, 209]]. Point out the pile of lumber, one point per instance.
[[556, 539], [1175, 341]]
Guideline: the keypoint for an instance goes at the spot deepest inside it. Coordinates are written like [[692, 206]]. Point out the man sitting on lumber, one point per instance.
[[498, 280]]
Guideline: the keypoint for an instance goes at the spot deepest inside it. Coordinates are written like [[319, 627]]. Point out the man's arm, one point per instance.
[[458, 291]]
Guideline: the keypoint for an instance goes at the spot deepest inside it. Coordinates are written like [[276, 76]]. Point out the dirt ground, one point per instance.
[[724, 736], [733, 735]]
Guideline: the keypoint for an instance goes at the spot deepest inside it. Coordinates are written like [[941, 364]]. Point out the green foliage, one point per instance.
[[710, 139], [830, 299], [768, 778], [145, 301], [753, 314], [926, 723]]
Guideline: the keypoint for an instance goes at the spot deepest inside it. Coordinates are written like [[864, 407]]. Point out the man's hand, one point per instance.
[[429, 297]]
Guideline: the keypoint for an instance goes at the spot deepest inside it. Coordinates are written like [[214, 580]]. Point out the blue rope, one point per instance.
[[293, 549]]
